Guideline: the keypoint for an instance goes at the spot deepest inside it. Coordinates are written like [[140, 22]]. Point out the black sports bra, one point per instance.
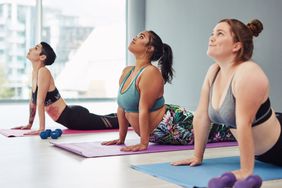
[[51, 96]]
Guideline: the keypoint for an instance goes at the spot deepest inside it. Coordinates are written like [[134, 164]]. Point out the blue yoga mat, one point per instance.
[[199, 176]]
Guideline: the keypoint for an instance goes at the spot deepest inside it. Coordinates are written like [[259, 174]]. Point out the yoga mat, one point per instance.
[[20, 133], [14, 132], [95, 149], [70, 131], [199, 176]]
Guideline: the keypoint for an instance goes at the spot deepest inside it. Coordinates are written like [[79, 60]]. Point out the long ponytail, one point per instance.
[[165, 63], [163, 54]]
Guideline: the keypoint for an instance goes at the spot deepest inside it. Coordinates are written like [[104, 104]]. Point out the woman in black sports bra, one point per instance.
[[235, 92], [46, 97]]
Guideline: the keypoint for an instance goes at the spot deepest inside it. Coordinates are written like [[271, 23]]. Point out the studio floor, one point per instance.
[[29, 162]]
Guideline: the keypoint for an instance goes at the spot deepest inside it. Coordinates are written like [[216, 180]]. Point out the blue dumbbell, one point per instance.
[[56, 134], [59, 131], [48, 131], [45, 134], [252, 181], [225, 180]]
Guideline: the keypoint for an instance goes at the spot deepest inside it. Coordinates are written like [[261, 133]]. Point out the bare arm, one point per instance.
[[150, 87], [123, 125], [201, 122], [246, 108], [32, 113], [43, 83]]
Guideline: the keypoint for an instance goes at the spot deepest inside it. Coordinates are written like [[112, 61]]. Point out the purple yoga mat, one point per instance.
[[95, 149]]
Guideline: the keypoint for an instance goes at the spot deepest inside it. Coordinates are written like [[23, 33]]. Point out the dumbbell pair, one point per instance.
[[228, 179], [53, 134]]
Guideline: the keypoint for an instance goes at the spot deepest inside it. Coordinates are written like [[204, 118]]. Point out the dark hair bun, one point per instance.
[[255, 27]]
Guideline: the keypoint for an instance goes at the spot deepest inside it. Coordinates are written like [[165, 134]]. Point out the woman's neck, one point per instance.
[[228, 68], [37, 65], [141, 63]]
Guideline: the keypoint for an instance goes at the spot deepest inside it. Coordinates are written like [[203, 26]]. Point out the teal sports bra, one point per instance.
[[129, 99]]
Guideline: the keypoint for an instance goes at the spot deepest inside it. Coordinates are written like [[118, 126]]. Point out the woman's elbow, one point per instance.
[[40, 104]]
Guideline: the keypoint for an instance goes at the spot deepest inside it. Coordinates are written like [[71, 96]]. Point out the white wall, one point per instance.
[[186, 26]]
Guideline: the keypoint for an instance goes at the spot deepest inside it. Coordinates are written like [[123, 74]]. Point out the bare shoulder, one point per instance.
[[151, 69], [250, 76], [43, 71], [211, 73], [252, 72], [213, 69], [152, 73], [127, 69], [44, 77], [249, 65], [151, 80]]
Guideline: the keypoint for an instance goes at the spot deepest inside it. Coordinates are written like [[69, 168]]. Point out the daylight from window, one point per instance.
[[88, 37]]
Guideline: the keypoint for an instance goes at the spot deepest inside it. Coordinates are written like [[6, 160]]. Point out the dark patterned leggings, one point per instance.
[[79, 118], [176, 128]]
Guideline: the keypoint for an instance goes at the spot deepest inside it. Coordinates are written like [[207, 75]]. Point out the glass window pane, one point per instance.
[[16, 36], [89, 39]]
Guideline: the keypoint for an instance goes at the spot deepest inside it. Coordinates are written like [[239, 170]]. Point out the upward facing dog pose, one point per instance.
[[46, 97], [141, 102], [235, 92]]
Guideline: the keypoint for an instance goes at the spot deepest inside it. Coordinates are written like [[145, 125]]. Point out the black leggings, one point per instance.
[[274, 155], [79, 118]]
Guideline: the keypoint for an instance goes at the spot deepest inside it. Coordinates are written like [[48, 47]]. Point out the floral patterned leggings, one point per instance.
[[176, 128]]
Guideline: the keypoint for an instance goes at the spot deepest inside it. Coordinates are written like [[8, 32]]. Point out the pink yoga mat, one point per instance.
[[95, 149], [20, 133], [14, 132]]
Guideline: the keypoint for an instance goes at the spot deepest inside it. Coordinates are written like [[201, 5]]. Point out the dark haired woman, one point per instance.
[[46, 97], [141, 102]]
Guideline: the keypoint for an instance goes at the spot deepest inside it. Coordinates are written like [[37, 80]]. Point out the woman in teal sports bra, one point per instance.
[[141, 103], [235, 92]]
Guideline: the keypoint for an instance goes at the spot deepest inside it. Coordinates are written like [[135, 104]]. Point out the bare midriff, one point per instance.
[[154, 119], [55, 109]]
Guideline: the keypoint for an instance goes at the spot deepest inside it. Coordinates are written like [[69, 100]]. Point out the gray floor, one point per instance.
[[29, 162]]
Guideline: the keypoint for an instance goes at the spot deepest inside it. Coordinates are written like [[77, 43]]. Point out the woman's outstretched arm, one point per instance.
[[201, 123]]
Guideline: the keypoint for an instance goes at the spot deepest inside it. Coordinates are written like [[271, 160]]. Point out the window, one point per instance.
[[15, 37], [88, 38]]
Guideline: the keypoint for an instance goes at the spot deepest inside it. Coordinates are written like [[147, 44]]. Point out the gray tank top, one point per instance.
[[226, 113]]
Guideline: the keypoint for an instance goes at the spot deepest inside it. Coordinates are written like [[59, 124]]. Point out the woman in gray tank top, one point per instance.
[[235, 92]]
